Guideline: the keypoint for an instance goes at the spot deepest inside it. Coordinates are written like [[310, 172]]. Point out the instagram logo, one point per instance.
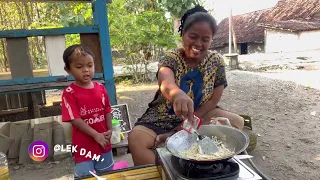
[[38, 151]]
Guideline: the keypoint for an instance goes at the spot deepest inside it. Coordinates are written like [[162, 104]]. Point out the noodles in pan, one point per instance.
[[193, 152]]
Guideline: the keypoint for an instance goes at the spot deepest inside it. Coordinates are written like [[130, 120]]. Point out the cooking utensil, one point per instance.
[[226, 121], [240, 157], [205, 144], [96, 176], [232, 138]]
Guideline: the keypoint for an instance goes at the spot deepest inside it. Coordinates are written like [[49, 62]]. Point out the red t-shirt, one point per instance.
[[91, 105]]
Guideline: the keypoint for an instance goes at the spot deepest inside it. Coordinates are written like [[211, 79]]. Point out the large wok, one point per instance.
[[232, 138]]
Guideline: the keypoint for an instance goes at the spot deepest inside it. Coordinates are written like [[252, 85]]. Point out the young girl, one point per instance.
[[85, 104]]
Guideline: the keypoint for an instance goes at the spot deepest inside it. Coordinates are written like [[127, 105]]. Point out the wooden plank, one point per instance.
[[150, 173], [35, 87], [21, 67], [20, 64], [43, 99], [14, 101], [20, 100], [4, 103], [37, 80], [48, 32], [33, 108], [24, 99], [92, 41], [55, 46], [19, 58]]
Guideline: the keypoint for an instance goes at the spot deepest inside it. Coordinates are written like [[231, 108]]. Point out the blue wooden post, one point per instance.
[[100, 16]]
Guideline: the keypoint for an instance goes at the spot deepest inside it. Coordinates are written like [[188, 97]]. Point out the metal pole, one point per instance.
[[230, 31]]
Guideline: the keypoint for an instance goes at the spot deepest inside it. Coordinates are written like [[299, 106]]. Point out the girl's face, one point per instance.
[[197, 40], [82, 69]]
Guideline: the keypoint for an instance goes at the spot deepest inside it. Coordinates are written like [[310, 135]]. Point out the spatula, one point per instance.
[[96, 176], [205, 144]]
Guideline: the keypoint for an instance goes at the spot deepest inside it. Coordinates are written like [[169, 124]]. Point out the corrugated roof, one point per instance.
[[295, 15]]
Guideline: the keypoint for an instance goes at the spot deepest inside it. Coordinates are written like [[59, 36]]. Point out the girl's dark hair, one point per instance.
[[78, 49], [194, 15]]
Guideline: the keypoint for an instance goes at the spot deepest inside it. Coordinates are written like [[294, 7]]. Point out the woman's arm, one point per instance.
[[182, 103], [212, 103], [167, 84]]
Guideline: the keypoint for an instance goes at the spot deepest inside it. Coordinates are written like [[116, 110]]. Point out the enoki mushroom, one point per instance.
[[193, 152]]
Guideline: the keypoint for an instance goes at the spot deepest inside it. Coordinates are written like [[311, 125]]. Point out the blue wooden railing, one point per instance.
[[100, 26]]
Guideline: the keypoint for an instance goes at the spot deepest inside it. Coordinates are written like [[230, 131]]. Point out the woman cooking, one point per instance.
[[191, 81]]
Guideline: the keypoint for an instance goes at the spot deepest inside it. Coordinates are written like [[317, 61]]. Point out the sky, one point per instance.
[[221, 8]]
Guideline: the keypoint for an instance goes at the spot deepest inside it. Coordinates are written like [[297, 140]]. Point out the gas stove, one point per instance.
[[172, 168]]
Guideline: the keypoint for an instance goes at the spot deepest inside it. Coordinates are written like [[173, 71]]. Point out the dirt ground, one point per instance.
[[285, 117]]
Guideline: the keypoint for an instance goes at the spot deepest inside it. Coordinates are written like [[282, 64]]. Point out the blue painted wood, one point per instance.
[[101, 19], [37, 89], [94, 13], [34, 89], [101, 26], [48, 32], [48, 79]]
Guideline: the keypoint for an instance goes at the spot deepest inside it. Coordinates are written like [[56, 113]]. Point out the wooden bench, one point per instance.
[[120, 148]]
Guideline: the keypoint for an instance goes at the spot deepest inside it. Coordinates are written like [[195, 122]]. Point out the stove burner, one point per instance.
[[219, 170]]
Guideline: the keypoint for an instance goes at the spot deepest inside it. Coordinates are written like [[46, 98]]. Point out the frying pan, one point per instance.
[[232, 138]]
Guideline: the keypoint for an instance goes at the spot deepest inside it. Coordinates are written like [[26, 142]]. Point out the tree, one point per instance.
[[137, 27], [141, 32], [177, 8]]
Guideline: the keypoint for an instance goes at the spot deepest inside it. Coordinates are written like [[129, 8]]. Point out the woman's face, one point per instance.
[[197, 40]]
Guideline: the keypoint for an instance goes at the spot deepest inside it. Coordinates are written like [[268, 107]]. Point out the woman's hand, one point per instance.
[[183, 106]]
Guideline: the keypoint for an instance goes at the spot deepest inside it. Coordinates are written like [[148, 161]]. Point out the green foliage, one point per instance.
[[178, 7], [141, 32], [76, 14], [32, 15], [139, 28]]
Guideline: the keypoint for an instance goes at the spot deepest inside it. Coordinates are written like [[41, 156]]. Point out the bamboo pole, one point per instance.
[[234, 38], [230, 31]]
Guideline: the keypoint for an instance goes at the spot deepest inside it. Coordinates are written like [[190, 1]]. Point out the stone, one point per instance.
[[38, 166], [58, 155], [16, 168]]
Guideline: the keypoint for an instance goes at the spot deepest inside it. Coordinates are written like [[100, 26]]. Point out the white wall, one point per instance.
[[280, 41], [285, 41], [309, 40]]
